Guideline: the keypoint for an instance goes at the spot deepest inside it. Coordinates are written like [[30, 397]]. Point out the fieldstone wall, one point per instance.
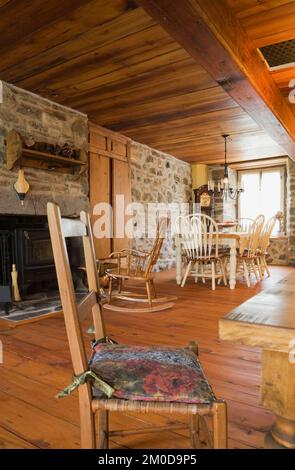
[[158, 178], [44, 121]]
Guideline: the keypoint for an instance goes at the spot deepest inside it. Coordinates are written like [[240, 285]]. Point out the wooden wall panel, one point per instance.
[[100, 191], [121, 185]]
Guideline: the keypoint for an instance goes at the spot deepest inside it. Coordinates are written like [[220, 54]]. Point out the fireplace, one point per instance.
[[25, 242]]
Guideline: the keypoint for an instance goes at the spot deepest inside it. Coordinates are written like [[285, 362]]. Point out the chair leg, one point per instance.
[[154, 289], [246, 273], [149, 293], [213, 275], [197, 271], [102, 420], [223, 271], [266, 267], [261, 273], [87, 418], [194, 431], [254, 270], [219, 425], [119, 285], [110, 290], [187, 271]]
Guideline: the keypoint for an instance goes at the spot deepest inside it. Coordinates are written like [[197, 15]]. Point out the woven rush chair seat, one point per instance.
[[142, 373]]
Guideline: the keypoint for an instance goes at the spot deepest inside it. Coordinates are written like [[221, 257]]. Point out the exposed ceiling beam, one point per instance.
[[215, 38]]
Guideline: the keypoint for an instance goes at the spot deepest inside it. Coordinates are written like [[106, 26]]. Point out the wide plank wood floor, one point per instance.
[[37, 365]]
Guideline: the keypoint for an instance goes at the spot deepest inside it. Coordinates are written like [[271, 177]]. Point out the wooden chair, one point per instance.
[[263, 244], [95, 432], [247, 261], [244, 224], [200, 237], [137, 267]]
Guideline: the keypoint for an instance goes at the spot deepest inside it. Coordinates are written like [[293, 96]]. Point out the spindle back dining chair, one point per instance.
[[201, 245], [195, 399], [263, 244], [247, 261]]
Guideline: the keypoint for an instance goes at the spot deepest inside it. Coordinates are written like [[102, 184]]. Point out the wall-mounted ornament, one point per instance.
[[21, 186]]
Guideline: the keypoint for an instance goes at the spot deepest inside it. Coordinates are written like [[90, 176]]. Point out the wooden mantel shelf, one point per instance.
[[53, 160], [18, 154]]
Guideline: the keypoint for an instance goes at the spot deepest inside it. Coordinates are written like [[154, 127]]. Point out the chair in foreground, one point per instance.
[[137, 267], [202, 251], [126, 378]]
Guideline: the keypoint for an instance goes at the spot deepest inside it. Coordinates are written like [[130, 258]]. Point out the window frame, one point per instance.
[[283, 174]]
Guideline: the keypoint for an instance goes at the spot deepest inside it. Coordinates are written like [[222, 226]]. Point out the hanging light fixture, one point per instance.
[[223, 188]]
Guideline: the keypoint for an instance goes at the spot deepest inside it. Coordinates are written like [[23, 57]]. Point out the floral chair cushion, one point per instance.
[[151, 373]]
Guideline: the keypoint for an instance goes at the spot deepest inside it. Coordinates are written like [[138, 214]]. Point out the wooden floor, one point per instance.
[[36, 366]]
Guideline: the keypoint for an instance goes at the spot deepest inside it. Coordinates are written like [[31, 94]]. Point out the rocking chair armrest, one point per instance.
[[129, 252]]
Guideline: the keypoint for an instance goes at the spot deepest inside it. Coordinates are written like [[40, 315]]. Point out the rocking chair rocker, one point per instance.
[[137, 266]]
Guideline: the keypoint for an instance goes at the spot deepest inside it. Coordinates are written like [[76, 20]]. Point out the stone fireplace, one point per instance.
[[24, 236]]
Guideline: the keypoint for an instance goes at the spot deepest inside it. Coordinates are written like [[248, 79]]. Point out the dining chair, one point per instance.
[[247, 259], [244, 224], [202, 254], [125, 378], [137, 267], [263, 244]]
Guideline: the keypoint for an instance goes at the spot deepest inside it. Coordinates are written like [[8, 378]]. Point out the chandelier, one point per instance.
[[222, 188]]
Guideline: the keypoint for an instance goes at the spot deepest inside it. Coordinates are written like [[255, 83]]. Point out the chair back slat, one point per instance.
[[199, 236], [254, 235], [266, 234], [162, 228], [73, 315]]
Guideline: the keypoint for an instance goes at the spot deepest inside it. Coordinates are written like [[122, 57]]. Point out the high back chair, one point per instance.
[[247, 261], [263, 244], [200, 241], [137, 267], [244, 224], [178, 384]]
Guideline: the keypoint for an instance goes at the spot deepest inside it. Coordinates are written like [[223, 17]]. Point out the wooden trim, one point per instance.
[[215, 38], [265, 163]]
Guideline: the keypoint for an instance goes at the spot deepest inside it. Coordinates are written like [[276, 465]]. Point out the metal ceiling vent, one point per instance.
[[279, 54]]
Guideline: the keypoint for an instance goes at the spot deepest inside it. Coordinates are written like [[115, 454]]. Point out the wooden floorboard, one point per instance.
[[37, 365]]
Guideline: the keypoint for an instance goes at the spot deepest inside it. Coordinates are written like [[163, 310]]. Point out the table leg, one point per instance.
[[277, 395], [178, 261], [232, 264]]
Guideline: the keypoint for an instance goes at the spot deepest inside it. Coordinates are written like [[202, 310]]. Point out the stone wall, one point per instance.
[[159, 178], [45, 121]]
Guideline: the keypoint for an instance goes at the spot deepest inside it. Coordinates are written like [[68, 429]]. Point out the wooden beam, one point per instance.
[[215, 38]]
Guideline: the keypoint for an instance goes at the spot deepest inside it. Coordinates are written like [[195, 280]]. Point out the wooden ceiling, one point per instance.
[[109, 59], [269, 22]]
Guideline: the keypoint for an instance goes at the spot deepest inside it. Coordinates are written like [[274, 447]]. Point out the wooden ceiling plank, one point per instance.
[[222, 47], [132, 52], [71, 38], [163, 110], [19, 19], [166, 81]]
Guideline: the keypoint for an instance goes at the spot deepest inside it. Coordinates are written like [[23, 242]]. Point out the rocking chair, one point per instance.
[[137, 266]]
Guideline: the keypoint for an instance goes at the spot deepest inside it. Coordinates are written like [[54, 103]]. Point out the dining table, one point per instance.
[[267, 321], [236, 241]]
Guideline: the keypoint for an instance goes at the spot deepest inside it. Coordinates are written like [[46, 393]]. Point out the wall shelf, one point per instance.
[[17, 154]]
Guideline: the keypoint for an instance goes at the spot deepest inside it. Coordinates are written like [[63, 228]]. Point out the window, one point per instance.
[[264, 193]]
